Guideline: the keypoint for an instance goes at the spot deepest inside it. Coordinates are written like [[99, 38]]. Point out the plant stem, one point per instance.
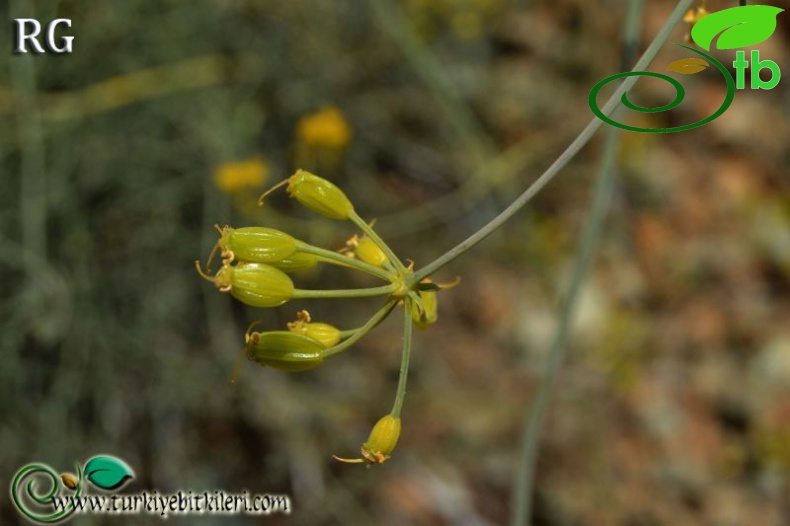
[[382, 313], [521, 510], [329, 256], [404, 360], [344, 293], [376, 239], [574, 148], [349, 332], [525, 474]]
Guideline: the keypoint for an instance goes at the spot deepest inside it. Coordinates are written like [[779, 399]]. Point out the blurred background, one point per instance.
[[673, 406]]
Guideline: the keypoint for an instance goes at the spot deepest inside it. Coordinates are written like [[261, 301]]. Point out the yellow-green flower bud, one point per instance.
[[256, 244], [382, 440], [319, 195], [380, 444], [284, 350], [256, 284], [296, 262], [368, 251], [425, 312], [328, 335]]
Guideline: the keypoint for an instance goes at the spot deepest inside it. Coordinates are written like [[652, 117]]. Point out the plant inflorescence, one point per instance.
[[257, 263]]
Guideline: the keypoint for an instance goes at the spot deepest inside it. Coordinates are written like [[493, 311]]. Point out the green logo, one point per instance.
[[103, 471], [735, 27]]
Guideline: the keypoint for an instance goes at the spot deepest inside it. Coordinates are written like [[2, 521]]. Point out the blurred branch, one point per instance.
[[492, 168], [525, 475], [521, 510], [391, 20], [33, 196], [125, 89]]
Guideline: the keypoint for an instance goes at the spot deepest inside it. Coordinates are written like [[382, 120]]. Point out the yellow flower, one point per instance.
[[693, 16], [232, 177], [326, 127]]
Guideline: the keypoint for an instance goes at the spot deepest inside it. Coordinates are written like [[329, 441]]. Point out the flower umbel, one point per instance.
[[255, 260]]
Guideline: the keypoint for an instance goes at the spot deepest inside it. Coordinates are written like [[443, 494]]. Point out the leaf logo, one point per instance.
[[739, 26], [688, 66], [107, 472]]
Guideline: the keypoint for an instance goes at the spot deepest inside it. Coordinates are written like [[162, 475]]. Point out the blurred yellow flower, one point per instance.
[[326, 127], [693, 16], [232, 177]]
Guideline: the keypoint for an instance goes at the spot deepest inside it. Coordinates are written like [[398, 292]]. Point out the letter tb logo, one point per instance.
[[732, 28], [740, 64], [26, 36]]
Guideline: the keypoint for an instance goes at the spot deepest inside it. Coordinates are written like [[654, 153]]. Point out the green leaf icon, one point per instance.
[[739, 26], [107, 472]]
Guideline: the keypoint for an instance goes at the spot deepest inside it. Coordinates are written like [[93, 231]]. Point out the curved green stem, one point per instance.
[[362, 331], [524, 481], [349, 332], [574, 148], [376, 239], [404, 360], [344, 293], [328, 256]]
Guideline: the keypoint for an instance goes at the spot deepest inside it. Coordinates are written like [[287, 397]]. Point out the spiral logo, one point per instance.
[[30, 502], [105, 472], [680, 94]]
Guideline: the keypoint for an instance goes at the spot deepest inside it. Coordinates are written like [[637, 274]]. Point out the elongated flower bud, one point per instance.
[[425, 312], [319, 195], [368, 251], [383, 439], [284, 350], [256, 284], [380, 444], [296, 262], [327, 335], [256, 244]]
